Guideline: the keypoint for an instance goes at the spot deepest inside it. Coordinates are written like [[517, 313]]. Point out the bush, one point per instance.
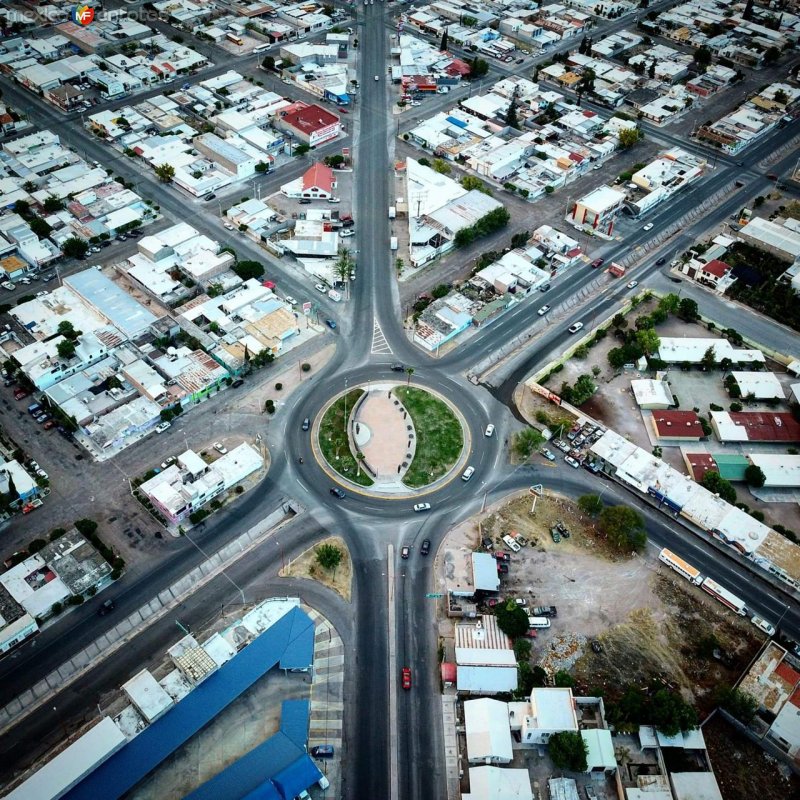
[[568, 751], [198, 516], [56, 608], [36, 545], [75, 600], [239, 489], [305, 367], [735, 407], [278, 387], [56, 533]]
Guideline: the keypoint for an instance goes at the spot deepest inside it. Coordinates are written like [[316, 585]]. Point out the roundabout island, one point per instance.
[[390, 439]]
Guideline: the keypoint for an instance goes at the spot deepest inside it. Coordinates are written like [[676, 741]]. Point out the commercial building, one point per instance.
[[489, 783], [759, 385], [755, 426], [652, 394], [16, 624], [691, 351], [782, 241], [309, 123], [781, 471], [485, 660], [677, 426], [597, 210], [191, 482], [316, 183]]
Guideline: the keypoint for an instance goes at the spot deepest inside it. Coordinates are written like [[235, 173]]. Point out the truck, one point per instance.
[[392, 212], [544, 611], [617, 270], [393, 243]]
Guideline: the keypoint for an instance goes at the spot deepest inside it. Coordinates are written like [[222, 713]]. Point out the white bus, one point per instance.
[[680, 566], [261, 48], [538, 622], [724, 596]]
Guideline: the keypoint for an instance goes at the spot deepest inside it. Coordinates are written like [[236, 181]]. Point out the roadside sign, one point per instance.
[[306, 308], [433, 595]]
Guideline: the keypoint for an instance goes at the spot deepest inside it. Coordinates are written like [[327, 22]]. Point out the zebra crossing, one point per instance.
[[379, 344]]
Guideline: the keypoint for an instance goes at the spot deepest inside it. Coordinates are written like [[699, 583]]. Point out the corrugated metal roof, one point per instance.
[[285, 639]]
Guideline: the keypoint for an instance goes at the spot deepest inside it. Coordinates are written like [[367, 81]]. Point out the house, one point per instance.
[[485, 659], [487, 731], [652, 394], [716, 274], [548, 711], [317, 183], [492, 783]]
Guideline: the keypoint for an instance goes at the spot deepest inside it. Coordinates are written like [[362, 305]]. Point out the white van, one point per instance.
[[538, 622], [763, 625]]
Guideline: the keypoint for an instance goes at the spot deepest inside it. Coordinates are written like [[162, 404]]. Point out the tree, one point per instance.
[[670, 713], [522, 649], [651, 70], [709, 359], [687, 310], [718, 485], [568, 751], [628, 137], [623, 527], [512, 619], [648, 340], [301, 149], [740, 704], [477, 68], [527, 442], [520, 239], [781, 97], [669, 303], [564, 680], [702, 56], [441, 166], [580, 392], [511, 114], [268, 62], [23, 208], [249, 269], [52, 204], [165, 173], [409, 373], [67, 330], [74, 247], [590, 504], [344, 263], [754, 476], [470, 182], [771, 55], [66, 349], [443, 45], [329, 556], [40, 227], [619, 322]]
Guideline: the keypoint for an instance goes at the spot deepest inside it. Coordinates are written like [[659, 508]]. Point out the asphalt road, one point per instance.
[[370, 525]]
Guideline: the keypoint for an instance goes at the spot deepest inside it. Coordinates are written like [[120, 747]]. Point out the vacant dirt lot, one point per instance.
[[651, 623], [743, 769], [306, 566]]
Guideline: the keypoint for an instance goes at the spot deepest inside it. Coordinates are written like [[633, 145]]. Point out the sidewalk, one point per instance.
[[128, 628]]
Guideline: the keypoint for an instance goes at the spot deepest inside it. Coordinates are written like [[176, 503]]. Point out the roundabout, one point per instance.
[[388, 439]]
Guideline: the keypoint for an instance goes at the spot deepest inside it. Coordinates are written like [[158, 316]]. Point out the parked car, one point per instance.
[[167, 461], [290, 300], [405, 673], [521, 602], [210, 196], [596, 646], [648, 227], [220, 448], [20, 393], [331, 324], [337, 492], [162, 426], [576, 327], [572, 462], [51, 423], [502, 557], [547, 454], [426, 547], [227, 226], [422, 507], [322, 751], [502, 567]]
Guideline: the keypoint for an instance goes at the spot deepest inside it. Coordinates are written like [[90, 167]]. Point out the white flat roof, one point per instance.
[[147, 695], [488, 730], [486, 679], [554, 709], [491, 783], [648, 392], [695, 786], [60, 774], [779, 470], [759, 384], [676, 349]]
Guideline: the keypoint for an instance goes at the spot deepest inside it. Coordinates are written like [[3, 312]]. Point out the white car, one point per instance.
[[422, 507], [763, 625], [576, 327], [543, 310], [320, 288], [632, 285], [648, 227], [572, 462], [42, 293], [468, 473], [489, 430], [220, 448], [377, 78], [347, 232], [162, 426], [290, 300], [227, 226], [334, 199], [547, 454]]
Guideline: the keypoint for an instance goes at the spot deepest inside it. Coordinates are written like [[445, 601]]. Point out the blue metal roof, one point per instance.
[[295, 715], [297, 777], [266, 791], [152, 746], [299, 650]]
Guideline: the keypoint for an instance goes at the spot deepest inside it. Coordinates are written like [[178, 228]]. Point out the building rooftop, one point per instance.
[[652, 392], [755, 426], [493, 783], [487, 729], [147, 695], [779, 470], [762, 385], [553, 709], [674, 424]]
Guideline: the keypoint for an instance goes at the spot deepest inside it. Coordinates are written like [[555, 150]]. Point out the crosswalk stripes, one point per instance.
[[379, 344]]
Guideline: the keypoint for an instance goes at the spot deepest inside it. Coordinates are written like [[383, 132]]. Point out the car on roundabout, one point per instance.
[[422, 507], [337, 492]]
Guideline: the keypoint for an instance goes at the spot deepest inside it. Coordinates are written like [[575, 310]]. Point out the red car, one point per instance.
[[598, 262], [19, 394], [405, 677], [51, 423]]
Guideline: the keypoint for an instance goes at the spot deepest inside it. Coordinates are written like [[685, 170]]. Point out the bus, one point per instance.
[[232, 37], [261, 48], [680, 566], [724, 596]]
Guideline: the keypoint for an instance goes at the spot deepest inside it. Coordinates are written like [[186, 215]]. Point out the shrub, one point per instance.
[[736, 407], [86, 526], [56, 608], [305, 367], [239, 489], [278, 387]]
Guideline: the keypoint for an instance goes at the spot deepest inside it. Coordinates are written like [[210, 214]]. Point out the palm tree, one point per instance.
[[343, 264], [409, 372]]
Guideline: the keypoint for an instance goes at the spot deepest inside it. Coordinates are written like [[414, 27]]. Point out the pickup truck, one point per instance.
[[544, 611]]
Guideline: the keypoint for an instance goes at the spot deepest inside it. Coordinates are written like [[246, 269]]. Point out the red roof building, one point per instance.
[[319, 180], [310, 123], [698, 464], [677, 425], [755, 426]]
